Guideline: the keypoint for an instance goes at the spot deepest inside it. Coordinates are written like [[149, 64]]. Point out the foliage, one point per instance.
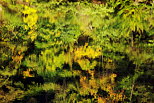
[[86, 51]]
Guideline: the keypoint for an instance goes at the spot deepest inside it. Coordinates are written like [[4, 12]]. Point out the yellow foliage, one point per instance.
[[113, 77], [92, 83], [11, 96], [17, 58], [91, 72], [83, 82], [52, 20], [68, 57], [86, 65], [117, 96], [87, 51], [32, 34], [101, 100], [107, 82], [27, 73], [57, 34], [110, 60], [27, 0], [93, 91], [31, 18], [91, 86]]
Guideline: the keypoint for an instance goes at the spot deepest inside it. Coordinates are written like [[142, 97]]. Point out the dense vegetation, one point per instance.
[[76, 51]]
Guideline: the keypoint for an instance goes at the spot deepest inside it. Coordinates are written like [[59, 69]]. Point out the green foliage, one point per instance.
[[80, 49]]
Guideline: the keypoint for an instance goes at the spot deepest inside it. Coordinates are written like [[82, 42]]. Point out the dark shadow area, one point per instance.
[[41, 97]]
